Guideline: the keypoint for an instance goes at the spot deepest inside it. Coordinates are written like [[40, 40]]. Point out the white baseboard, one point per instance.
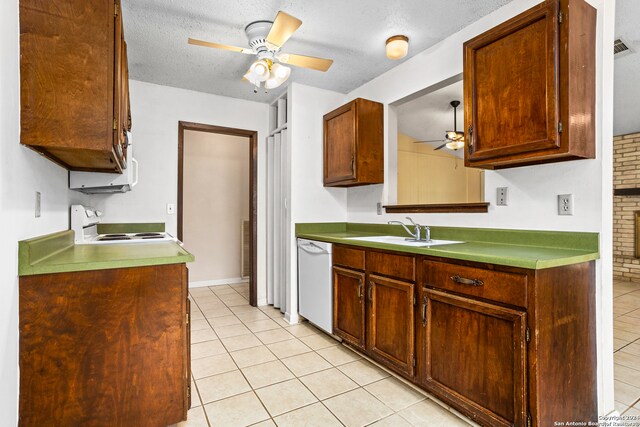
[[292, 318], [217, 282], [262, 301]]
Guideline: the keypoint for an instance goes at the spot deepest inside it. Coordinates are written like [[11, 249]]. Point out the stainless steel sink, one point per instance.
[[398, 240]]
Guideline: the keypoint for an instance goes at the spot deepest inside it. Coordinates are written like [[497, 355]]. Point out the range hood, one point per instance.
[[105, 183]]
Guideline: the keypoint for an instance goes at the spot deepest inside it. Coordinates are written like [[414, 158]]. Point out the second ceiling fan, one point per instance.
[[453, 139], [266, 39]]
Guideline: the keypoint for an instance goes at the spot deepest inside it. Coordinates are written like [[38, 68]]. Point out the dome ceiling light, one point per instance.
[[397, 47]]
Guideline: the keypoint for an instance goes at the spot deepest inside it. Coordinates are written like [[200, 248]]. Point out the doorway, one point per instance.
[[221, 147]]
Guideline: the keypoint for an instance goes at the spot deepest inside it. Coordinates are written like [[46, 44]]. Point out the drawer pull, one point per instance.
[[463, 281]]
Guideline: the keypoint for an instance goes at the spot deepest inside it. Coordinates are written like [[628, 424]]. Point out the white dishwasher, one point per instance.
[[315, 291]]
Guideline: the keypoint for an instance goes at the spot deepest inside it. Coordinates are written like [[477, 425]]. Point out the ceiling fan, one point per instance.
[[266, 38], [453, 139]]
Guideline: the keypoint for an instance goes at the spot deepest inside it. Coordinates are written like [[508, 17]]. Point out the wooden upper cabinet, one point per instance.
[[354, 145], [529, 88], [74, 88]]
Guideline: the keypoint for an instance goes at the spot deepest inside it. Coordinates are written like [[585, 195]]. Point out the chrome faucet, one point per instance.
[[414, 234], [427, 234]]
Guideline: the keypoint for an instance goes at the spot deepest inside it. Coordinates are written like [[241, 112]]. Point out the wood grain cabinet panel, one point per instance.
[[392, 265], [105, 348], [488, 284], [348, 257], [516, 349], [529, 88], [349, 306], [505, 346], [475, 356], [74, 83], [354, 144], [390, 323]]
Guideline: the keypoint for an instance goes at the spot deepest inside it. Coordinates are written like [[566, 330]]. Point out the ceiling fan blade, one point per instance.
[[220, 46], [303, 61], [283, 27], [442, 146], [434, 140]]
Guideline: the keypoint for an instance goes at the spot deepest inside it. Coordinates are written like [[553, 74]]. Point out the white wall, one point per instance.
[[215, 204], [22, 173], [532, 190], [626, 93], [310, 200], [156, 111]]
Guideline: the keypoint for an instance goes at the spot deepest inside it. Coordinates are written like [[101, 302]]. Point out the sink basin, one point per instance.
[[399, 240]]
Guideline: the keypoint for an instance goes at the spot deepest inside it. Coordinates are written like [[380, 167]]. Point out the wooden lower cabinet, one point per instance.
[[505, 346], [349, 306], [474, 354], [105, 347], [390, 333]]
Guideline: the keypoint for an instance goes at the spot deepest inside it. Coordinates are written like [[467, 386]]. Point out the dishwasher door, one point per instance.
[[315, 290]]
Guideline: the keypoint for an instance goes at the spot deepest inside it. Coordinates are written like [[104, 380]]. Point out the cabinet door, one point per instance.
[[474, 355], [339, 144], [119, 103], [511, 86], [348, 306], [390, 333]]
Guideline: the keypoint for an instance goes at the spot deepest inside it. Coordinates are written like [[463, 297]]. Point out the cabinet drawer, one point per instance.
[[400, 266], [348, 257], [508, 288]]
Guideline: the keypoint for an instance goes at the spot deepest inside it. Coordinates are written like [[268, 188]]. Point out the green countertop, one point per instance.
[[515, 248], [56, 253]]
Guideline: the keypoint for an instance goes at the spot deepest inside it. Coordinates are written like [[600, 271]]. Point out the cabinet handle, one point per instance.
[[353, 163], [470, 137], [424, 311], [360, 290], [370, 291], [463, 281]]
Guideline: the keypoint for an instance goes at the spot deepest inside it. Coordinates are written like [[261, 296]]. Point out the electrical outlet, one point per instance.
[[38, 204], [565, 204], [379, 208], [171, 208], [502, 196]]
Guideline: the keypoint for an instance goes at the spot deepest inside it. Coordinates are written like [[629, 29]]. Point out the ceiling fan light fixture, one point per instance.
[[279, 74], [455, 145], [454, 135], [259, 71], [397, 47]]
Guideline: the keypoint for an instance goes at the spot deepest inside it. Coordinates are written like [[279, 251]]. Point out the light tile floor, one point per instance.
[[626, 346], [251, 367]]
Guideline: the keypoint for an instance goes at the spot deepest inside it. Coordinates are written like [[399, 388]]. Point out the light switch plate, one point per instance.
[[379, 208], [171, 208], [502, 197], [565, 204]]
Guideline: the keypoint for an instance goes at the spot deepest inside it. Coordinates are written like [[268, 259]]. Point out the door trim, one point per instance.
[[253, 189]]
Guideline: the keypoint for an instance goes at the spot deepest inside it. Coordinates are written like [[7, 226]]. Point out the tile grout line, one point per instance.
[[253, 390], [280, 382], [298, 378]]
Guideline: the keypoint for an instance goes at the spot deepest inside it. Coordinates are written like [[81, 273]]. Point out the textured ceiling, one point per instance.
[[626, 109], [430, 116], [352, 33]]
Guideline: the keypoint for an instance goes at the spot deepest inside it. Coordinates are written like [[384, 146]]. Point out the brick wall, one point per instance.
[[626, 174]]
